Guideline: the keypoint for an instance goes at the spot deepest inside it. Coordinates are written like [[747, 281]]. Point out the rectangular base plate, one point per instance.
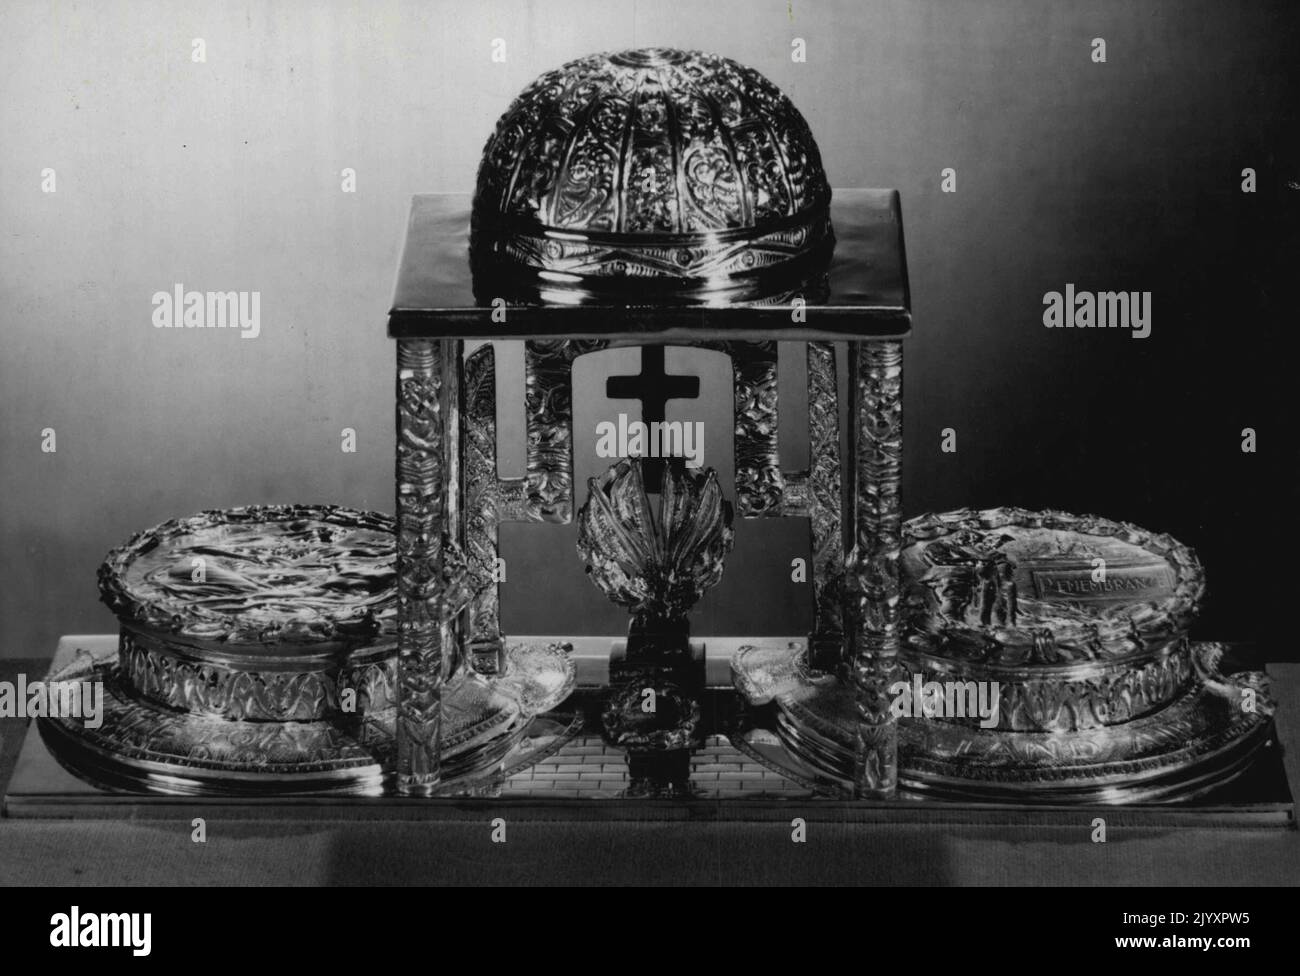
[[588, 780]]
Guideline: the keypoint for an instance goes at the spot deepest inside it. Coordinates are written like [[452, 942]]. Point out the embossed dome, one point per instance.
[[681, 170]]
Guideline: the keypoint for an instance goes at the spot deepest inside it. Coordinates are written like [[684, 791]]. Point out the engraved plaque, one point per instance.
[[1143, 582]]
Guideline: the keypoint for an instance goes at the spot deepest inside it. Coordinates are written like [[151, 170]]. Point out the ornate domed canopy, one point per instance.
[[655, 172]]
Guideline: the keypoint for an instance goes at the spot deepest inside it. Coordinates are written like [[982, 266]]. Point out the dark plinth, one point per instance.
[[865, 293]]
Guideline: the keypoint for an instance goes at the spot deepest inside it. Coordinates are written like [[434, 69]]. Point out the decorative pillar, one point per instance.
[[824, 508], [876, 417], [428, 526], [485, 495]]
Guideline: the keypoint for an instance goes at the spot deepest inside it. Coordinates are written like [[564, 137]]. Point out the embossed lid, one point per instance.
[[280, 576], [1014, 588], [665, 176]]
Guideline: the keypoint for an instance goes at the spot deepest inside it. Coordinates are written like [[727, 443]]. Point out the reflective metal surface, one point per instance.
[[1008, 587], [656, 561], [864, 294], [266, 613], [490, 729], [259, 655], [660, 175], [1200, 742], [269, 578], [562, 768]]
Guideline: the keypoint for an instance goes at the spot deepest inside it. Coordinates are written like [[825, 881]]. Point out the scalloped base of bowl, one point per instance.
[[1199, 742], [490, 730]]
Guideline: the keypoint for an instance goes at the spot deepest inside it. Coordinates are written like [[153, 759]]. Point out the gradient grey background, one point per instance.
[[226, 176]]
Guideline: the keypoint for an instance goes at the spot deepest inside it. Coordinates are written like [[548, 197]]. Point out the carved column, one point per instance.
[[428, 524], [759, 482], [825, 509], [484, 492], [548, 400], [876, 405]]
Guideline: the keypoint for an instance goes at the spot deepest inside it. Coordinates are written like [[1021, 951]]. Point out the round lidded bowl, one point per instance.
[[1049, 664], [264, 613], [1082, 622], [242, 632], [1007, 587], [651, 176]]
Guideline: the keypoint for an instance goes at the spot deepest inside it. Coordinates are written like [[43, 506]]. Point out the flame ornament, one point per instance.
[[656, 564]]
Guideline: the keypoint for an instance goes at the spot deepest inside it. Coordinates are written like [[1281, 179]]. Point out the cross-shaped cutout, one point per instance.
[[654, 388]]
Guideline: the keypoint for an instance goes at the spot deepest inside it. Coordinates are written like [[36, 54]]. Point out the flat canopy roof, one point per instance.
[[867, 297]]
